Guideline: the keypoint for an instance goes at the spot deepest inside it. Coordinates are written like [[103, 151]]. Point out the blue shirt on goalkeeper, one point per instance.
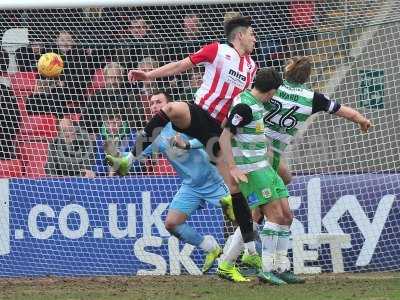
[[192, 165]]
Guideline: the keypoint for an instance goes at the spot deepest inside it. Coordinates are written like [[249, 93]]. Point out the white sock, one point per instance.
[[269, 239], [208, 243], [235, 247], [283, 239], [282, 262], [250, 247]]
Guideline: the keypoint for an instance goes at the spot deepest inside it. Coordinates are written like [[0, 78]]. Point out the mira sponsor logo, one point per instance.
[[237, 75]]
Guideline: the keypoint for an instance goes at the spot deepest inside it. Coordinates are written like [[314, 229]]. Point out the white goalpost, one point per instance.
[[63, 212]]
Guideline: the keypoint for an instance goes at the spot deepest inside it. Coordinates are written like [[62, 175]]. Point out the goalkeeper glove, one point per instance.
[[121, 164]]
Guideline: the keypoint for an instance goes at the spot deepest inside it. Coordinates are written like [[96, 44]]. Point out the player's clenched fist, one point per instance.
[[365, 125], [137, 75]]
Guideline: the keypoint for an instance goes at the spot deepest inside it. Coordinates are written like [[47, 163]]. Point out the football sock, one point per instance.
[[282, 248], [251, 246], [208, 244], [187, 234], [235, 247], [269, 239], [283, 238], [243, 217]]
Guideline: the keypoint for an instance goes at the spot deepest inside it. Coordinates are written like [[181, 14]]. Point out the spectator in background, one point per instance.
[[71, 153], [191, 36], [78, 63], [195, 80], [92, 13], [138, 29], [302, 19], [115, 138], [137, 42], [28, 56], [145, 89], [93, 29], [192, 27], [49, 97], [147, 64], [116, 92], [9, 115]]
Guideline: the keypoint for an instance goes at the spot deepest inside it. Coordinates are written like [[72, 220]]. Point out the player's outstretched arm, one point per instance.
[[354, 116], [170, 69]]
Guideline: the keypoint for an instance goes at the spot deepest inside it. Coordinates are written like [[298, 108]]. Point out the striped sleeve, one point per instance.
[[205, 54]]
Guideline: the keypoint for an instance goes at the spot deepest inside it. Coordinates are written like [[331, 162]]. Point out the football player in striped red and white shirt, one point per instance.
[[229, 70]]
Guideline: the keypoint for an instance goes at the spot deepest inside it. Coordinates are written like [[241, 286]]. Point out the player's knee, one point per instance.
[[233, 188], [170, 226]]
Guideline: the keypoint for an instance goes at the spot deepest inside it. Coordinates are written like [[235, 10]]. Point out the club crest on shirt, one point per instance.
[[260, 127], [236, 119], [266, 193]]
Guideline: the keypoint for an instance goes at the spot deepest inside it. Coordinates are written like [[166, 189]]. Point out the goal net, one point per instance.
[[64, 212]]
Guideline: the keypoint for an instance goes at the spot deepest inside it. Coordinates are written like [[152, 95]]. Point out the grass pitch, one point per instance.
[[371, 286]]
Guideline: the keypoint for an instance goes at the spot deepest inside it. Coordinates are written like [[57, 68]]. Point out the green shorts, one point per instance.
[[263, 187]]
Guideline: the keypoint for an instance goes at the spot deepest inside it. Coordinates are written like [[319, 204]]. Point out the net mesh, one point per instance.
[[57, 219]]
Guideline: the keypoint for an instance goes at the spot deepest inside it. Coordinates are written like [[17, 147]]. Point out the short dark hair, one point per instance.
[[164, 92], [267, 79], [235, 22]]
